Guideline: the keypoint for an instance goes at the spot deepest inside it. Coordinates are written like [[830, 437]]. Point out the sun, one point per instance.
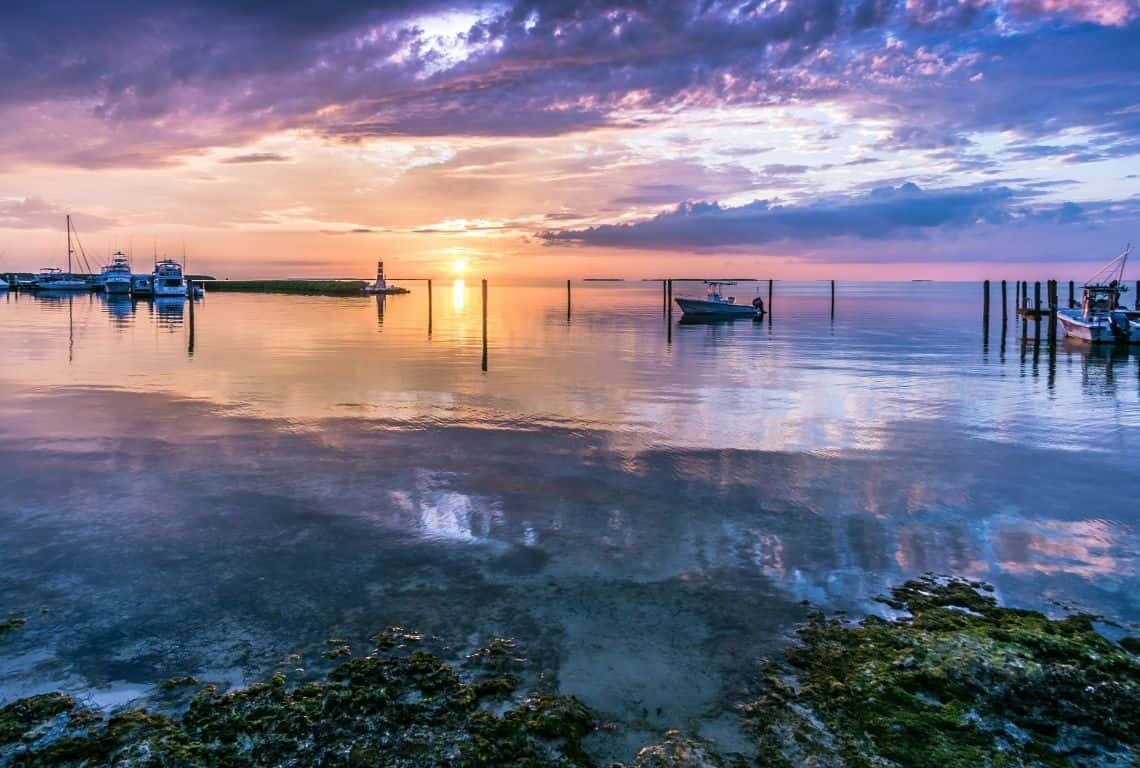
[[459, 266]]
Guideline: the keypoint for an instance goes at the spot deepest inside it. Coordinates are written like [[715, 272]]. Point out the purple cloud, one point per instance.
[[881, 214]]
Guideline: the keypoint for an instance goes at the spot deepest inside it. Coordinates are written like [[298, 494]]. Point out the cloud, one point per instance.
[[37, 213], [214, 73], [883, 213], [255, 157]]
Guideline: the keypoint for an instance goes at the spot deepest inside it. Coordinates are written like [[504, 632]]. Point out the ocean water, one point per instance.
[[645, 505]]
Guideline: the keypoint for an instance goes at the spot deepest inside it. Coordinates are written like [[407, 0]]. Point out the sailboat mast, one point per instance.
[[69, 245]]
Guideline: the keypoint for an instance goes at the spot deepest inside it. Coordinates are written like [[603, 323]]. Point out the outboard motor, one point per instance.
[[1121, 330], [758, 305]]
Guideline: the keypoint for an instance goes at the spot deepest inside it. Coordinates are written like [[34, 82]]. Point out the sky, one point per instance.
[[848, 139]]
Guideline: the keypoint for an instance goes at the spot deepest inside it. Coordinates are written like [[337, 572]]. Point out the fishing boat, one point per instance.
[[55, 279], [716, 306], [168, 280], [116, 276], [381, 287], [1102, 318]]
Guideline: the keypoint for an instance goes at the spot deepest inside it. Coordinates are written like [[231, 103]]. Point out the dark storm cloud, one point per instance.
[[883, 213]]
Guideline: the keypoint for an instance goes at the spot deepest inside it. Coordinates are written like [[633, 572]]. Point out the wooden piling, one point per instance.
[[1037, 295], [1137, 295], [833, 300], [664, 297], [429, 307], [190, 298], [1025, 294], [669, 298], [1053, 301], [1004, 300], [1072, 295], [986, 300], [768, 306], [567, 301], [484, 324]]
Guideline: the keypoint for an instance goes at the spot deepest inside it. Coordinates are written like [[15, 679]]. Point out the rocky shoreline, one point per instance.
[[953, 680]]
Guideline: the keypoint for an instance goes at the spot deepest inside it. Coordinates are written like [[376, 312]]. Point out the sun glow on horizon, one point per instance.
[[458, 267]]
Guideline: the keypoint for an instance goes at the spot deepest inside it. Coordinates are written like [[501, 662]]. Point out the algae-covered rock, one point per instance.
[[173, 683], [961, 682], [19, 718], [404, 707], [678, 750], [11, 624]]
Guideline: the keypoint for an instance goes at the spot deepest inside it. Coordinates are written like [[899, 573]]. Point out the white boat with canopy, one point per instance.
[[1102, 317], [717, 306]]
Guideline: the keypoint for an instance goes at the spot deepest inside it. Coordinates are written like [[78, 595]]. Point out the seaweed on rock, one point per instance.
[[389, 709], [960, 681]]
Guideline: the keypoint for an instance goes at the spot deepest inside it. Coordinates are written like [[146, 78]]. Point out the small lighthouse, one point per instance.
[[381, 284]]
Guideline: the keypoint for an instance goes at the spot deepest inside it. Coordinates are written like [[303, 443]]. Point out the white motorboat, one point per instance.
[[142, 285], [116, 276], [3, 284], [716, 305], [1102, 318], [55, 279], [381, 287], [168, 280]]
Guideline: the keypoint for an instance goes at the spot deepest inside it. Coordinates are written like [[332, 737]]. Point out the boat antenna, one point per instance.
[[1113, 271]]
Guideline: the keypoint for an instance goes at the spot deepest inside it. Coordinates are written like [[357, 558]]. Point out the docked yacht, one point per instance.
[[1102, 317], [3, 284], [168, 280], [716, 306], [116, 276]]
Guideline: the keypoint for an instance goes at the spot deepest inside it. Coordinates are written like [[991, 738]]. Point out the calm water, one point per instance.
[[643, 505]]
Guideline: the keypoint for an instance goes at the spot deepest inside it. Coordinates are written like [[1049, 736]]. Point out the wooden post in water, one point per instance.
[[1036, 311], [1025, 294], [1053, 301], [1004, 300], [768, 306], [567, 301], [986, 301], [669, 298], [1072, 295], [664, 297], [484, 324], [833, 300], [1137, 294], [190, 297], [429, 306]]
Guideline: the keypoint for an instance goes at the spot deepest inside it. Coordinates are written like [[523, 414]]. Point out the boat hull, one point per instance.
[[1098, 330], [717, 309], [117, 286], [59, 286]]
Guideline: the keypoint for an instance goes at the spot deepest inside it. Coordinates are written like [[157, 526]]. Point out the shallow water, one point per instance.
[[643, 504]]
